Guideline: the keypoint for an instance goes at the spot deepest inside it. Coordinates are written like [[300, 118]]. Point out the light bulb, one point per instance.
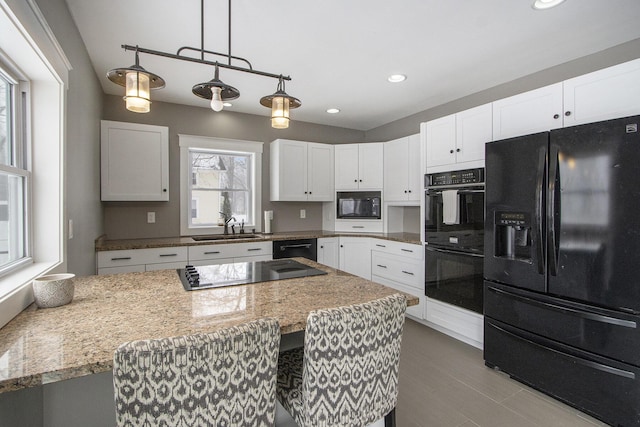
[[137, 92], [216, 100], [280, 112]]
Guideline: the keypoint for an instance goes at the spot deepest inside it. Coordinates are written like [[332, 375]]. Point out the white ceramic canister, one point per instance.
[[53, 290]]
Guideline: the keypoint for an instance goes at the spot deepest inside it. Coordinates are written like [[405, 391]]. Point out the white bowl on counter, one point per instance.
[[53, 290]]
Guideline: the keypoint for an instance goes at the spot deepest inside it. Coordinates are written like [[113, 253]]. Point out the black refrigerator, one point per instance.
[[562, 265]]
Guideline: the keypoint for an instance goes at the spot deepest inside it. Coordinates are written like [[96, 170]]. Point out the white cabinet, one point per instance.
[[301, 171], [402, 175], [530, 112], [230, 252], [136, 260], [328, 253], [602, 95], [400, 266], [134, 162], [457, 141], [359, 166], [355, 256]]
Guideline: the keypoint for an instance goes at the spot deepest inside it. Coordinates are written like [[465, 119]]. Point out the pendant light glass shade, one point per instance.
[[216, 91], [280, 104], [138, 83]]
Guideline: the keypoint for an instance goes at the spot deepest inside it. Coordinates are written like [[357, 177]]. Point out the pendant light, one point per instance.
[[138, 84], [216, 91], [280, 103]]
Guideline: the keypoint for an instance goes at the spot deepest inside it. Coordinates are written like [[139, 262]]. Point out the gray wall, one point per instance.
[[129, 219], [82, 150], [411, 125]]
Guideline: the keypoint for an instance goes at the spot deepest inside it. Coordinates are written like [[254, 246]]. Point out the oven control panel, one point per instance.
[[461, 177]]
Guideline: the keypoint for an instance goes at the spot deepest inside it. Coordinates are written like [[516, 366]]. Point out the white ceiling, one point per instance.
[[340, 52]]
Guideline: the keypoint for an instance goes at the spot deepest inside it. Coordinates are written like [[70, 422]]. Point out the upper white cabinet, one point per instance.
[[402, 176], [602, 95], [530, 112], [457, 141], [359, 166], [301, 171], [134, 162], [605, 94]]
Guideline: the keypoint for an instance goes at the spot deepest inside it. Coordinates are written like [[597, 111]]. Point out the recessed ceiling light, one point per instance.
[[333, 110], [546, 4], [397, 78], [227, 104]]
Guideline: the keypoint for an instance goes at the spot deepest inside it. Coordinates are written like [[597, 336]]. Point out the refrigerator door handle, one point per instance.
[[553, 211], [567, 310], [542, 170]]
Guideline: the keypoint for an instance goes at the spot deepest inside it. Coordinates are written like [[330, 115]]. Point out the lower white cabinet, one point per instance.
[[355, 256], [400, 266], [137, 260], [457, 322], [328, 253]]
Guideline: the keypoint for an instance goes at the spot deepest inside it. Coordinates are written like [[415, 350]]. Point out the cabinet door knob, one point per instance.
[[409, 191], [556, 116], [164, 190], [568, 113], [355, 180], [309, 192], [305, 192], [341, 246], [405, 191], [321, 247], [457, 150], [360, 180], [451, 151]]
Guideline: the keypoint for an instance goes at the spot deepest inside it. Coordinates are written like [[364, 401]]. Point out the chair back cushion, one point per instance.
[[226, 378], [351, 359]]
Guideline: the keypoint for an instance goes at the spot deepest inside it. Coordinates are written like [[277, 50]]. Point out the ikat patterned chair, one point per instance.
[[347, 372], [226, 378]]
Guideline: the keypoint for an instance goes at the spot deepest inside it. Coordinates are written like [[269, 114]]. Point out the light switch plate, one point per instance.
[[303, 213], [151, 217]]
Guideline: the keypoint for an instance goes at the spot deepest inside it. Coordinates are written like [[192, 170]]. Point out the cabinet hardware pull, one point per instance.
[[409, 191], [123, 258], [406, 250], [355, 180], [408, 272], [556, 116], [254, 249], [380, 246], [212, 252], [451, 151], [168, 255], [357, 226], [164, 190], [568, 113], [405, 191], [457, 150], [382, 266]]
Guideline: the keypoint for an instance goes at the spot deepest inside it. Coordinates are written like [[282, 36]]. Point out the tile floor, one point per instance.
[[444, 383]]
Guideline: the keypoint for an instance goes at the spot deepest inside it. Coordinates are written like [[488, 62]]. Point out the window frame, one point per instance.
[[192, 142], [20, 156]]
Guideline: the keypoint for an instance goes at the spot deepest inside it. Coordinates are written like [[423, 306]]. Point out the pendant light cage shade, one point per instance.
[[138, 84], [280, 104]]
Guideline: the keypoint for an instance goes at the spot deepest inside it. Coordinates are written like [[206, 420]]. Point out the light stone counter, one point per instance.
[[41, 346]]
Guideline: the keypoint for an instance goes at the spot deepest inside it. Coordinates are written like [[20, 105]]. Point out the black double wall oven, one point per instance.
[[454, 236]]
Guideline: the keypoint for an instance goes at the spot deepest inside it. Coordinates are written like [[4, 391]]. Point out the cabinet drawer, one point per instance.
[[414, 310], [205, 252], [359, 226], [122, 258], [404, 271], [165, 255], [407, 250], [124, 269], [165, 266], [252, 249]]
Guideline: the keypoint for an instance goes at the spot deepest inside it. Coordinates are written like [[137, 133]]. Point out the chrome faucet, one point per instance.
[[227, 219]]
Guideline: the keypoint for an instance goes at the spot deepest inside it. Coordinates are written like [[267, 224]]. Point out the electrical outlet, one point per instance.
[[303, 213], [151, 217], [70, 229]]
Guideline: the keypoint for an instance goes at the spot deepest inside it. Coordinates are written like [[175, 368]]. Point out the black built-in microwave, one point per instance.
[[359, 205]]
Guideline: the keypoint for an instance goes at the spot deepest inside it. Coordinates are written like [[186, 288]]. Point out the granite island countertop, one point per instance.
[[41, 346], [105, 244]]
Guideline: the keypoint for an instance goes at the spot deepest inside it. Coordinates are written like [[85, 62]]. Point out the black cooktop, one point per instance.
[[242, 273]]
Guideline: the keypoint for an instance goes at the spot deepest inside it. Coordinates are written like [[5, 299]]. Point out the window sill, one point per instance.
[[16, 292]]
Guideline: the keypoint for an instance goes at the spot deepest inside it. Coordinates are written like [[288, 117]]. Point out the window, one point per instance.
[[14, 176], [219, 179]]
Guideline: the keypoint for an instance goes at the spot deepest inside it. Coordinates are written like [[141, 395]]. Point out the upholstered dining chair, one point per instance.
[[347, 372], [226, 378]]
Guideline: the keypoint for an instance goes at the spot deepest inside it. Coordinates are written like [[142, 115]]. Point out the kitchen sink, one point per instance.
[[208, 237]]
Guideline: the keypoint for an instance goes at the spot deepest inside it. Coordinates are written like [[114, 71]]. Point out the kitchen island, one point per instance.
[[42, 346]]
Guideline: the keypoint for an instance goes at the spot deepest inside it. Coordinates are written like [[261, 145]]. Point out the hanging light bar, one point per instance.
[[139, 82]]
